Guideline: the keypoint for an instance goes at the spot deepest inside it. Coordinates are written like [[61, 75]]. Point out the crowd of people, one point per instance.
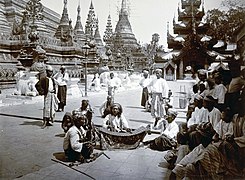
[[210, 145]]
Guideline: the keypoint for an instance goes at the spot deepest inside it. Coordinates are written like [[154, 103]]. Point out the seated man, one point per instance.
[[86, 109], [189, 166], [169, 130], [105, 108], [116, 121], [75, 147], [67, 122]]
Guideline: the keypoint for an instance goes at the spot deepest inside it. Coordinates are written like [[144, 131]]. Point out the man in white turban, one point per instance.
[[158, 88], [61, 79], [144, 82]]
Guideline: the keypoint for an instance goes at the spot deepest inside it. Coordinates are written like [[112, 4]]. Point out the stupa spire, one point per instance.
[[78, 29], [64, 30], [124, 7], [97, 36], [123, 27]]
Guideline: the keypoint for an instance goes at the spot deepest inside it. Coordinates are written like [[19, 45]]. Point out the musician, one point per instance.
[[87, 110], [116, 121], [67, 122], [75, 146]]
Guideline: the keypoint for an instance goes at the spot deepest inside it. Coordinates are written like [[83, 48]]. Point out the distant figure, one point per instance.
[[219, 91], [159, 90], [105, 108], [202, 77], [144, 82], [113, 84], [95, 84], [46, 86], [62, 78]]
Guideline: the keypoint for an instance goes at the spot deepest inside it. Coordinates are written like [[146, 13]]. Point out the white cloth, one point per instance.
[[159, 86], [61, 79], [214, 116], [169, 129], [114, 82], [198, 116], [117, 123], [219, 93], [192, 157], [223, 129], [50, 85], [144, 82], [72, 137]]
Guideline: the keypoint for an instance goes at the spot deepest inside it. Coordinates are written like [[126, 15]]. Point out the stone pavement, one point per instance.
[[26, 149]]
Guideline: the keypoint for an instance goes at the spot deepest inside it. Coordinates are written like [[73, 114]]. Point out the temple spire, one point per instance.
[[90, 25], [97, 36], [78, 29], [64, 30], [124, 8], [108, 31], [123, 28]]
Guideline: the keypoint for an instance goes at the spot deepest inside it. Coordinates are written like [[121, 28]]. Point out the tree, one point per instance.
[[223, 23]]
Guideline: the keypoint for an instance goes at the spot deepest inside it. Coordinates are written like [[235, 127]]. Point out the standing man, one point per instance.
[[46, 86], [158, 89], [61, 79], [113, 84], [144, 82]]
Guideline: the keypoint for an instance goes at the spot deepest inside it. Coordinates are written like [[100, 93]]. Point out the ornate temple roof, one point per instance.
[[91, 22], [108, 31], [4, 25]]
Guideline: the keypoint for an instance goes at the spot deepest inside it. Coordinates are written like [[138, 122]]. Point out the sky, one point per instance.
[[146, 16]]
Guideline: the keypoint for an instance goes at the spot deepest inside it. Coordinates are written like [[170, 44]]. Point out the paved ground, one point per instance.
[[26, 149]]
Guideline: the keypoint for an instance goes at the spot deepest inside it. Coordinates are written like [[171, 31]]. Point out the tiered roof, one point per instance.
[[123, 27]]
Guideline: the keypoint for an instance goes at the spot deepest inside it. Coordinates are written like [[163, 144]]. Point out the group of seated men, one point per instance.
[[211, 145], [81, 134]]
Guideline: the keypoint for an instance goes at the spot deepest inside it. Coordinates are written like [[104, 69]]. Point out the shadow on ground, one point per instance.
[[33, 123]]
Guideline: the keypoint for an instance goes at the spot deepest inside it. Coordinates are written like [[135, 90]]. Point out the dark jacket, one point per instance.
[[42, 86]]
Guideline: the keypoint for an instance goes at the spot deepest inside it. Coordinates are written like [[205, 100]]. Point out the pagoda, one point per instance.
[[91, 23], [97, 36], [123, 27], [79, 35], [64, 30], [191, 41], [108, 32], [126, 53]]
